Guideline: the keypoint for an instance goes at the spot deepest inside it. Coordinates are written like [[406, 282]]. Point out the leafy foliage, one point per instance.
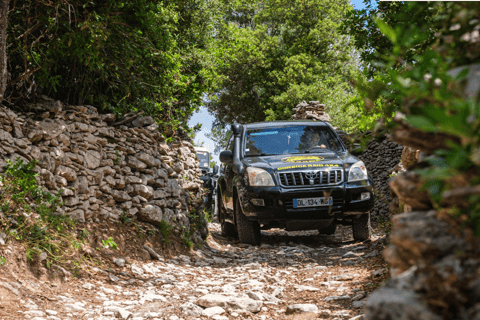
[[28, 215], [119, 56], [125, 218], [430, 104], [220, 134], [20, 185], [166, 230], [187, 239], [280, 53], [109, 243], [370, 30]]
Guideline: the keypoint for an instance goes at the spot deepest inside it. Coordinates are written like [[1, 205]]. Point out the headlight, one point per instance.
[[357, 172], [259, 178]]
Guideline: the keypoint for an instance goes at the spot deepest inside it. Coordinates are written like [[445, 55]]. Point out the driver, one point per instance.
[[312, 139]]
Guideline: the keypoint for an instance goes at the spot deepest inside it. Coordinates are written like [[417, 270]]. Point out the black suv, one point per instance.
[[296, 175]]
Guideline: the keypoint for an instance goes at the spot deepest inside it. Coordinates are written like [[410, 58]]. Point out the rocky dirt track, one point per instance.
[[299, 275]]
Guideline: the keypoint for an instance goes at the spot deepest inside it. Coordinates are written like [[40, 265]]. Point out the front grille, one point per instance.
[[336, 202], [322, 178]]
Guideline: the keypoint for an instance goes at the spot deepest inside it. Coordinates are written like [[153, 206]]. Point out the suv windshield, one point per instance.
[[204, 158], [291, 139]]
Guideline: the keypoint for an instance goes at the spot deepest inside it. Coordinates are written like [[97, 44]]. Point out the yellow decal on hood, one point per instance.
[[303, 159], [309, 166]]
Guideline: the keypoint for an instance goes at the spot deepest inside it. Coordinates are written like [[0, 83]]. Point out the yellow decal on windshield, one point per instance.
[[303, 159], [309, 166]]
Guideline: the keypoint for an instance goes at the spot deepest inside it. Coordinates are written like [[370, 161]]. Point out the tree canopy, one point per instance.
[[119, 56], [271, 55], [245, 60]]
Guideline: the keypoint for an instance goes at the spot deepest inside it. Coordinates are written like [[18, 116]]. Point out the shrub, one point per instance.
[[29, 216]]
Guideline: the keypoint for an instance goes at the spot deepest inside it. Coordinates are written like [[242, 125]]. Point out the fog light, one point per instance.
[[365, 196], [258, 202]]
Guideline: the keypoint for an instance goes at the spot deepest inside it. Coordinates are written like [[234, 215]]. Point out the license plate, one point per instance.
[[312, 202]]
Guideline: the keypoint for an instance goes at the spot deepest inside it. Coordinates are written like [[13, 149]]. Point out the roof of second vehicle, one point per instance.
[[269, 124], [203, 149]]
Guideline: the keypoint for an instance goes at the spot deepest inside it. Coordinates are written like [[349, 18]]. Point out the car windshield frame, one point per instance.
[[327, 129]]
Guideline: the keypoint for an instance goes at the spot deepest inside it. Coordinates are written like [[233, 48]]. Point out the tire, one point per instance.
[[228, 229], [209, 201], [329, 230], [248, 231], [362, 230]]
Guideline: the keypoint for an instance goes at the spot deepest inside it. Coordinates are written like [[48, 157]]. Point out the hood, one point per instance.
[[297, 161]]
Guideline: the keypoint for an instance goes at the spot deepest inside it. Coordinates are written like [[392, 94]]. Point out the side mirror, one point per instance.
[[226, 156], [215, 169]]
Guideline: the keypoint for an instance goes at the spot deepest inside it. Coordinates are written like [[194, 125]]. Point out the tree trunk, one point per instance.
[[3, 46]]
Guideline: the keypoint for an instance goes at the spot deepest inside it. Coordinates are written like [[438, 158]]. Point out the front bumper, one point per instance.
[[279, 202]]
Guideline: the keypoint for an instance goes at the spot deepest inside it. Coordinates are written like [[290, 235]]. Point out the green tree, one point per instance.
[[120, 56], [283, 52], [220, 134], [212, 162], [375, 47]]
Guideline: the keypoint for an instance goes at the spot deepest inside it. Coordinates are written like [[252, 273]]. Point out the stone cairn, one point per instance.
[[313, 110], [105, 168]]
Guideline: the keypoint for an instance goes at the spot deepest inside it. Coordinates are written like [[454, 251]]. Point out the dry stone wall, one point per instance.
[[381, 157], [104, 170]]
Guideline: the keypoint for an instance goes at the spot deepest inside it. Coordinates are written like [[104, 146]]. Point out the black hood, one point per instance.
[[299, 161]]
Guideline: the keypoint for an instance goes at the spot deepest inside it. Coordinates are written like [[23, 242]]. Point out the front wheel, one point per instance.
[[228, 229], [248, 231], [362, 230], [209, 200]]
